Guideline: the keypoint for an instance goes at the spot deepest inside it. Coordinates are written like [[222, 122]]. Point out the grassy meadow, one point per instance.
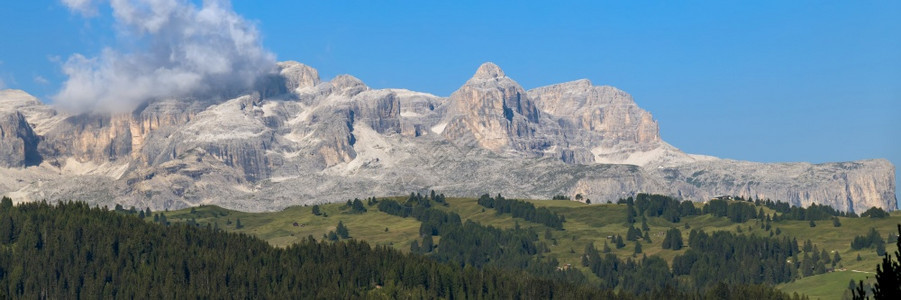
[[584, 224]]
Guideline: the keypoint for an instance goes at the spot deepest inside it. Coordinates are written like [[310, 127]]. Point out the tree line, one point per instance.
[[522, 209]]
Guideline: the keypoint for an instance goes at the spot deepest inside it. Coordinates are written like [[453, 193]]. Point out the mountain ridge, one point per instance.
[[298, 140]]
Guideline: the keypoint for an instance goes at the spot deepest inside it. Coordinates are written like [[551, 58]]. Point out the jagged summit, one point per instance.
[[489, 70], [299, 140]]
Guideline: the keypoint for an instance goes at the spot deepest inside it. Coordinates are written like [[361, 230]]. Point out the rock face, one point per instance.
[[494, 112], [18, 142], [297, 140]]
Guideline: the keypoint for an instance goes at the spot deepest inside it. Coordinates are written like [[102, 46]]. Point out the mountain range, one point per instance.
[[297, 140]]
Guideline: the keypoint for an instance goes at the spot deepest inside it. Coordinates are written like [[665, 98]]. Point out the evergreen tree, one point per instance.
[[630, 213], [836, 223], [316, 210], [6, 204], [888, 275], [637, 248], [673, 239], [428, 244], [633, 234], [7, 230], [880, 249], [414, 247], [357, 206], [342, 230]]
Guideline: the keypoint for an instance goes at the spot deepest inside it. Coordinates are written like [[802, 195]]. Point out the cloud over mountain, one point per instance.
[[164, 48]]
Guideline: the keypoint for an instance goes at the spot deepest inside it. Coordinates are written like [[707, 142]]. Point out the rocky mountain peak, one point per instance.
[[348, 85], [489, 70], [264, 151], [15, 99], [298, 75], [495, 112]]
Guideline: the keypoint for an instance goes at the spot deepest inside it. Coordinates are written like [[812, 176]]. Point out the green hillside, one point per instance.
[[584, 224]]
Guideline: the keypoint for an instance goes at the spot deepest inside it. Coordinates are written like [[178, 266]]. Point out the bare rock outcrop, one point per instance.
[[297, 140], [18, 142], [494, 112]]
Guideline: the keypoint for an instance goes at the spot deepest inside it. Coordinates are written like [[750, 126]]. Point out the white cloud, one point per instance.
[[187, 50], [84, 7], [40, 80]]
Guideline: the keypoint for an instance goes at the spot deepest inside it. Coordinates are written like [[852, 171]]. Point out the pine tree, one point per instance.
[[637, 248], [428, 244], [7, 230], [6, 203], [880, 249], [414, 247], [888, 275], [673, 239], [342, 230]]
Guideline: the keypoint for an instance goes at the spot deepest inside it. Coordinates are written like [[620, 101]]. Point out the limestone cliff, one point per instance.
[[18, 142], [295, 139], [494, 112]]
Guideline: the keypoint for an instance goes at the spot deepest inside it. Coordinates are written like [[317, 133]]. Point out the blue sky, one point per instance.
[[767, 81]]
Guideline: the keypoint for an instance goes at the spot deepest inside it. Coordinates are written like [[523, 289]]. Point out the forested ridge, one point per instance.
[[71, 251]]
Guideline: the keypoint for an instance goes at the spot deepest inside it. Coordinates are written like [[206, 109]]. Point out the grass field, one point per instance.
[[832, 285], [584, 224]]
